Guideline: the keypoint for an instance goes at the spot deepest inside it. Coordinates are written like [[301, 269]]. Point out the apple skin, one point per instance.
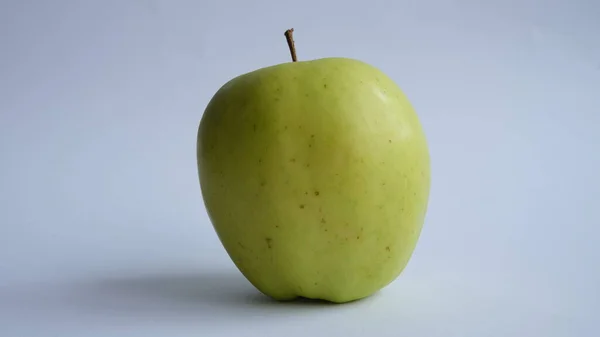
[[316, 178]]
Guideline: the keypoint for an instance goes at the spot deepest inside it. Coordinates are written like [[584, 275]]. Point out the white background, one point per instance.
[[102, 227]]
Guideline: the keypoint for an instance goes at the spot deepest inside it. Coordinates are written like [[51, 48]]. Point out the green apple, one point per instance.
[[316, 177]]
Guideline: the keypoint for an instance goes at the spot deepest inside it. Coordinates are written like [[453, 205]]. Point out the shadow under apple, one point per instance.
[[214, 296]]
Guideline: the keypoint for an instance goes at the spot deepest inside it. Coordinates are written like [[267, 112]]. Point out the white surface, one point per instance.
[[102, 227]]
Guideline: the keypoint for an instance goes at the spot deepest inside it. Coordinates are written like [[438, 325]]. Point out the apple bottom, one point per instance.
[[348, 264]]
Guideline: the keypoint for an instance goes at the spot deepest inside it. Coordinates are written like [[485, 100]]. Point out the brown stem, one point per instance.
[[289, 36]]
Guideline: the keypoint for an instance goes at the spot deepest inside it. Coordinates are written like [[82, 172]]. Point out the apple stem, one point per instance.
[[289, 36]]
